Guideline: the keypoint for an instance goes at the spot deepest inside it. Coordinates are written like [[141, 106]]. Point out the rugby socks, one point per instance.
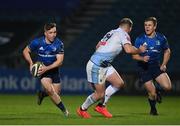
[[158, 87], [152, 104], [110, 90], [88, 102], [61, 106]]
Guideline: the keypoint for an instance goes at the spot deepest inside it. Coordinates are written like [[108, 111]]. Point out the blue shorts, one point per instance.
[[149, 72], [53, 74]]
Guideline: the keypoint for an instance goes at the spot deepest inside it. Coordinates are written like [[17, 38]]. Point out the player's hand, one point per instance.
[[163, 68], [143, 48], [146, 58], [42, 70]]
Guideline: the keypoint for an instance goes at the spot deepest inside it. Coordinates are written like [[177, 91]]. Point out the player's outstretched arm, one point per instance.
[[133, 50]]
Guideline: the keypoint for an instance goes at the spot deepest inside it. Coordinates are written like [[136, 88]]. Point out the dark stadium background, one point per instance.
[[81, 23]]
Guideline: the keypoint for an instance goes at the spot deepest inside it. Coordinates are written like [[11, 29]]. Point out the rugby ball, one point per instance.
[[35, 68]]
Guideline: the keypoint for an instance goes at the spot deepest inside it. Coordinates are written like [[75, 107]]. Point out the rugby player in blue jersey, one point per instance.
[[149, 65], [50, 51]]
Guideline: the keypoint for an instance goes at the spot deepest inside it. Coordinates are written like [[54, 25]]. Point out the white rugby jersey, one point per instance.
[[110, 46]]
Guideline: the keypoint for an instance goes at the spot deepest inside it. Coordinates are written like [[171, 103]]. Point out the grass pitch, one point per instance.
[[126, 110]]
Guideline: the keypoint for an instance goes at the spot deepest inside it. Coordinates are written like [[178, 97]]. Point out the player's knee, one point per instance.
[[122, 84], [167, 87], [50, 91], [152, 94], [119, 85], [100, 95]]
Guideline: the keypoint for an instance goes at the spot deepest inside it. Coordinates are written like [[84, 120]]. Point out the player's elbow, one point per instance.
[[59, 63], [169, 51], [25, 52]]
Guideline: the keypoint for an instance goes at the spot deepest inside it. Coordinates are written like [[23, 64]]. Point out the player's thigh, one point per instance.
[[149, 86], [164, 80], [47, 84], [114, 78], [95, 74]]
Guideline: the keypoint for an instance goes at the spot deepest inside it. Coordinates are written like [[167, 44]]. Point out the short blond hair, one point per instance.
[[126, 21]]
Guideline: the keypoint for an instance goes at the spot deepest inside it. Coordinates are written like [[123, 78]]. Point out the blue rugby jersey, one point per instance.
[[155, 46], [46, 52]]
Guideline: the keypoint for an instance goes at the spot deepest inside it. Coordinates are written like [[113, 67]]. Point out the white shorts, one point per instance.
[[97, 74]]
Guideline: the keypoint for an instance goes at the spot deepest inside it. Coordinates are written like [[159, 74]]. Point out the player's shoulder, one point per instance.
[[120, 32], [58, 42], [160, 36]]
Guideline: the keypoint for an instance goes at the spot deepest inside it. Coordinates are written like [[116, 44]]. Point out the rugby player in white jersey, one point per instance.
[[99, 68]]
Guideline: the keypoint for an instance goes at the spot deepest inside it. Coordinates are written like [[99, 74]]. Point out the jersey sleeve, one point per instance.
[[60, 50], [165, 43], [125, 38], [33, 46]]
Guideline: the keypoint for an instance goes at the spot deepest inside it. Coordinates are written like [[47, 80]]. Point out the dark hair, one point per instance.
[[48, 26], [153, 19], [126, 21]]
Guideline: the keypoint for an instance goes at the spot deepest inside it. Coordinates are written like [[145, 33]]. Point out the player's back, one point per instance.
[[110, 46]]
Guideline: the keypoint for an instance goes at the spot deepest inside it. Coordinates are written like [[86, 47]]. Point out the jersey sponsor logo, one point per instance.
[[151, 47], [47, 55], [154, 50], [103, 43]]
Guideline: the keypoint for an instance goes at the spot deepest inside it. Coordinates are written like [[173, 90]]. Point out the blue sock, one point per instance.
[[158, 87], [152, 104], [61, 106]]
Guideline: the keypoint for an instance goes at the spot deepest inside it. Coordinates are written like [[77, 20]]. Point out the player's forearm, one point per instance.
[[166, 57], [54, 65], [137, 57], [132, 50], [57, 63]]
